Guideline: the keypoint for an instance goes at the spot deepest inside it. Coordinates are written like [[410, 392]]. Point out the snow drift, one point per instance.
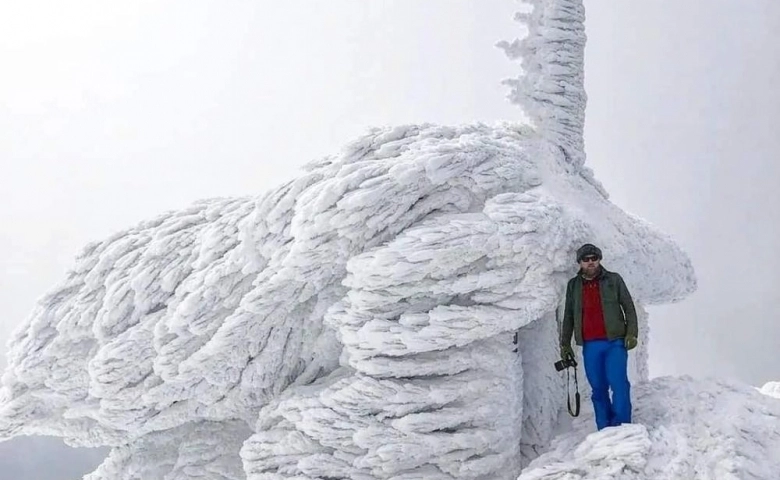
[[685, 429], [357, 322]]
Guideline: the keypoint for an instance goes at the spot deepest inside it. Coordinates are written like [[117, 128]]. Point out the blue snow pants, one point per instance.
[[606, 366]]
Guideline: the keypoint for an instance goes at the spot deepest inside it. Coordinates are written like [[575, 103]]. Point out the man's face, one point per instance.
[[589, 264]]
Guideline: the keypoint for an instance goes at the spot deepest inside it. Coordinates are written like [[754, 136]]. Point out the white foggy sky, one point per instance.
[[111, 112]]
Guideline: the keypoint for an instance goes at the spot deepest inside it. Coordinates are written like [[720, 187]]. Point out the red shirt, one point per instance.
[[593, 327]]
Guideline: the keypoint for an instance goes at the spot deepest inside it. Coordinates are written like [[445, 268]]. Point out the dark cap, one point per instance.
[[588, 249]]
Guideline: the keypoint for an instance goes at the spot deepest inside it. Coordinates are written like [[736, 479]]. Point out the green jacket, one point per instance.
[[619, 311]]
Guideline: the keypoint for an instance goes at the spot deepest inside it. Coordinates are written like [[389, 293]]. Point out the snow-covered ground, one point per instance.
[[685, 428]]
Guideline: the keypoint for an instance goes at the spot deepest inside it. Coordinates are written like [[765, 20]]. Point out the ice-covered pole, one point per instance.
[[551, 87]]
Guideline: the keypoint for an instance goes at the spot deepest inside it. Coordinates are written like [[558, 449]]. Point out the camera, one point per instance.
[[565, 363]]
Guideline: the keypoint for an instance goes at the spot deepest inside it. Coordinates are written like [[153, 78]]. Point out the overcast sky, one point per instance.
[[111, 112]]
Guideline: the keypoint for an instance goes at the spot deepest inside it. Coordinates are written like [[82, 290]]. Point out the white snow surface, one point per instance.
[[684, 428], [358, 321]]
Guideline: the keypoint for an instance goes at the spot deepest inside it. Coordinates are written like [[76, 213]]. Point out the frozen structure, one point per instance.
[[390, 314]]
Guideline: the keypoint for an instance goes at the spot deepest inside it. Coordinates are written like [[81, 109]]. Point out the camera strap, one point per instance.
[[576, 411]]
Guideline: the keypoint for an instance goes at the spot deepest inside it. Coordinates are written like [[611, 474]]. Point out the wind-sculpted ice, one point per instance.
[[357, 322]]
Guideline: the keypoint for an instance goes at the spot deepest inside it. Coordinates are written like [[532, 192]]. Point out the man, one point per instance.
[[601, 314]]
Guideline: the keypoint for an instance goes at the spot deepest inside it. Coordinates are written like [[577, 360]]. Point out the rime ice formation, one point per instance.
[[358, 322], [323, 331], [772, 389], [551, 89]]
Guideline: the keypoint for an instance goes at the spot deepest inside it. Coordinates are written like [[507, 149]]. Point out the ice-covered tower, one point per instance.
[[551, 88], [355, 323]]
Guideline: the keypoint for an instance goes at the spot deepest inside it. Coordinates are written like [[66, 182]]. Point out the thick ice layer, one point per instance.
[[551, 88], [419, 251]]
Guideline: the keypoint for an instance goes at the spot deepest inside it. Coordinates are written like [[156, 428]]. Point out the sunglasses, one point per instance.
[[590, 258]]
